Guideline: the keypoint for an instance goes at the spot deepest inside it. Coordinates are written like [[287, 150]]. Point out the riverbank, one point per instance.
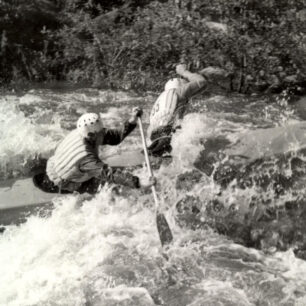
[[135, 45]]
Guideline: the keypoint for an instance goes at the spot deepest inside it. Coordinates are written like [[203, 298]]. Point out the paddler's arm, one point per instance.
[[94, 167], [91, 165], [215, 74], [197, 83], [114, 137]]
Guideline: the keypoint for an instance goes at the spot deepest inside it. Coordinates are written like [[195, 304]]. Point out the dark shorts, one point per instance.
[[161, 141], [91, 186], [42, 182]]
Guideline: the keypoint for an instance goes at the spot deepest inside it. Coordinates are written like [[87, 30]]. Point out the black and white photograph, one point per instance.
[[152, 152]]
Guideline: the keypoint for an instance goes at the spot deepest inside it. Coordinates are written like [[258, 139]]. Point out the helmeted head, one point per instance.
[[175, 83], [89, 124]]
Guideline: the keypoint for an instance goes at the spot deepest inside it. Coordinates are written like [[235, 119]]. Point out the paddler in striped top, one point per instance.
[[171, 105], [75, 165]]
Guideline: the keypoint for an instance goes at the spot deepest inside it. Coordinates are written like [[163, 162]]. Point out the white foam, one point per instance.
[[21, 139], [59, 258], [110, 244]]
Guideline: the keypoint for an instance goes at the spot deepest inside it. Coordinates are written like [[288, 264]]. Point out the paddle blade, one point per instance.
[[163, 228]]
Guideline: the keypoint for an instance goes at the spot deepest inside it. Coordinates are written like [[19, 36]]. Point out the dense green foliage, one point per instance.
[[135, 44], [24, 41]]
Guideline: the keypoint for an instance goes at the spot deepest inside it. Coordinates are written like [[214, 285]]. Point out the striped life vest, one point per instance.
[[64, 164], [164, 110]]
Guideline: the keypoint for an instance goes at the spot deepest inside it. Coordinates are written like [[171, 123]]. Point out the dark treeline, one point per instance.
[[133, 44]]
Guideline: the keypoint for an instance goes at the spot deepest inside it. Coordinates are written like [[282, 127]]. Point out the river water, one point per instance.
[[106, 250]]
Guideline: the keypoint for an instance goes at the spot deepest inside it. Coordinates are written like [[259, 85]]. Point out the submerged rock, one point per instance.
[[263, 178], [259, 225], [188, 212], [187, 180], [266, 158]]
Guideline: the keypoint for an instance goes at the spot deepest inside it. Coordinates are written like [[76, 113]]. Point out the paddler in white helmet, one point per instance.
[[76, 166], [171, 105]]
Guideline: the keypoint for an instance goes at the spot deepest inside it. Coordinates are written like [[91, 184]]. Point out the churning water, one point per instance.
[[106, 250]]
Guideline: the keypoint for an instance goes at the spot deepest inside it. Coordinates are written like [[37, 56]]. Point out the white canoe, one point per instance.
[[22, 192]]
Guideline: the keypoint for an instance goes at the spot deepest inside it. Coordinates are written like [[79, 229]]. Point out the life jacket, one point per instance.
[[164, 110], [63, 166]]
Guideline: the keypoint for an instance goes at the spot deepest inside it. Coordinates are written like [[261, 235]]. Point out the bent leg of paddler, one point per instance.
[[121, 177], [42, 182], [161, 141], [160, 146], [91, 186]]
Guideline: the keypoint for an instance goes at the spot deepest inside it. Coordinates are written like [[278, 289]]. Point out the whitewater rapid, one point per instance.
[[106, 250]]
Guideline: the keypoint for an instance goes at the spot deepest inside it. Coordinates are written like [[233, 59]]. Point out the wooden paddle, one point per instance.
[[163, 228]]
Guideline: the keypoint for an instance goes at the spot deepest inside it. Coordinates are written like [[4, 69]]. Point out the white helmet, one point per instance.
[[175, 83], [89, 123]]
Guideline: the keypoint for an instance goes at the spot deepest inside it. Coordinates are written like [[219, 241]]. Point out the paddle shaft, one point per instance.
[[163, 228], [148, 161]]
